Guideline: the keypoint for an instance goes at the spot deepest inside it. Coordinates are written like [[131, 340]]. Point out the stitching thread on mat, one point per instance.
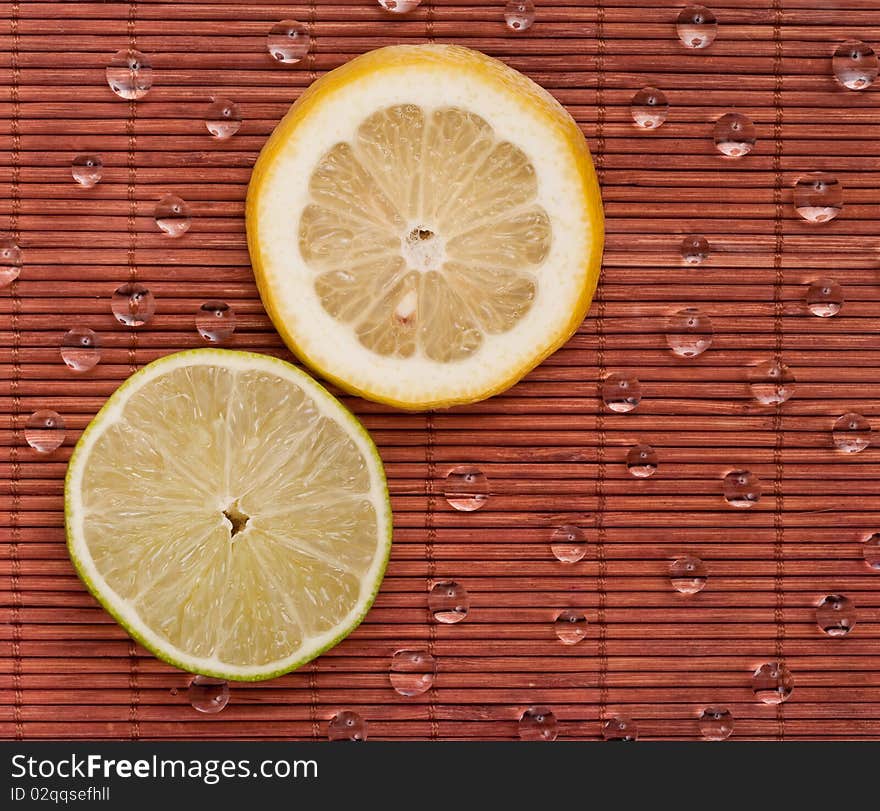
[[15, 516], [431, 503], [779, 499], [430, 539], [313, 699], [132, 185], [134, 689], [313, 667], [133, 685], [600, 364], [313, 41]]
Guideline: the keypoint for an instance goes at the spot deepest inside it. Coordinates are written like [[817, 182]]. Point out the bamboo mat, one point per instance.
[[553, 455]]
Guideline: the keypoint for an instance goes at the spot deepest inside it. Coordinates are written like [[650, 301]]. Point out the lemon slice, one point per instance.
[[425, 226], [229, 513]]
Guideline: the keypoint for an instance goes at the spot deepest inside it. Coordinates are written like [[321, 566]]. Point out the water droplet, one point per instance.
[[537, 724], [399, 6], [10, 261], [448, 602], [836, 615], [288, 42], [771, 382], [347, 726], [694, 250], [87, 170], [570, 626], [412, 672], [696, 27], [215, 321], [519, 15], [871, 551], [130, 74], [689, 332], [467, 488], [620, 728], [851, 433], [44, 431], [716, 723], [818, 197], [689, 575], [621, 392], [80, 349], [735, 135], [132, 304], [855, 65], [568, 543], [649, 108], [208, 695], [223, 119], [824, 298], [172, 215], [772, 683], [641, 461], [742, 488]]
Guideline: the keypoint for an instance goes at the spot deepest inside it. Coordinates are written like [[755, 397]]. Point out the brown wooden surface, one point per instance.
[[552, 454]]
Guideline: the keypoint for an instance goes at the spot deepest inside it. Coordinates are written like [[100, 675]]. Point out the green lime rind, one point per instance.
[[110, 601]]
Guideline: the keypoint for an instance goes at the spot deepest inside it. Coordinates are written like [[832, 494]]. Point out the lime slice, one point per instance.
[[229, 513]]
